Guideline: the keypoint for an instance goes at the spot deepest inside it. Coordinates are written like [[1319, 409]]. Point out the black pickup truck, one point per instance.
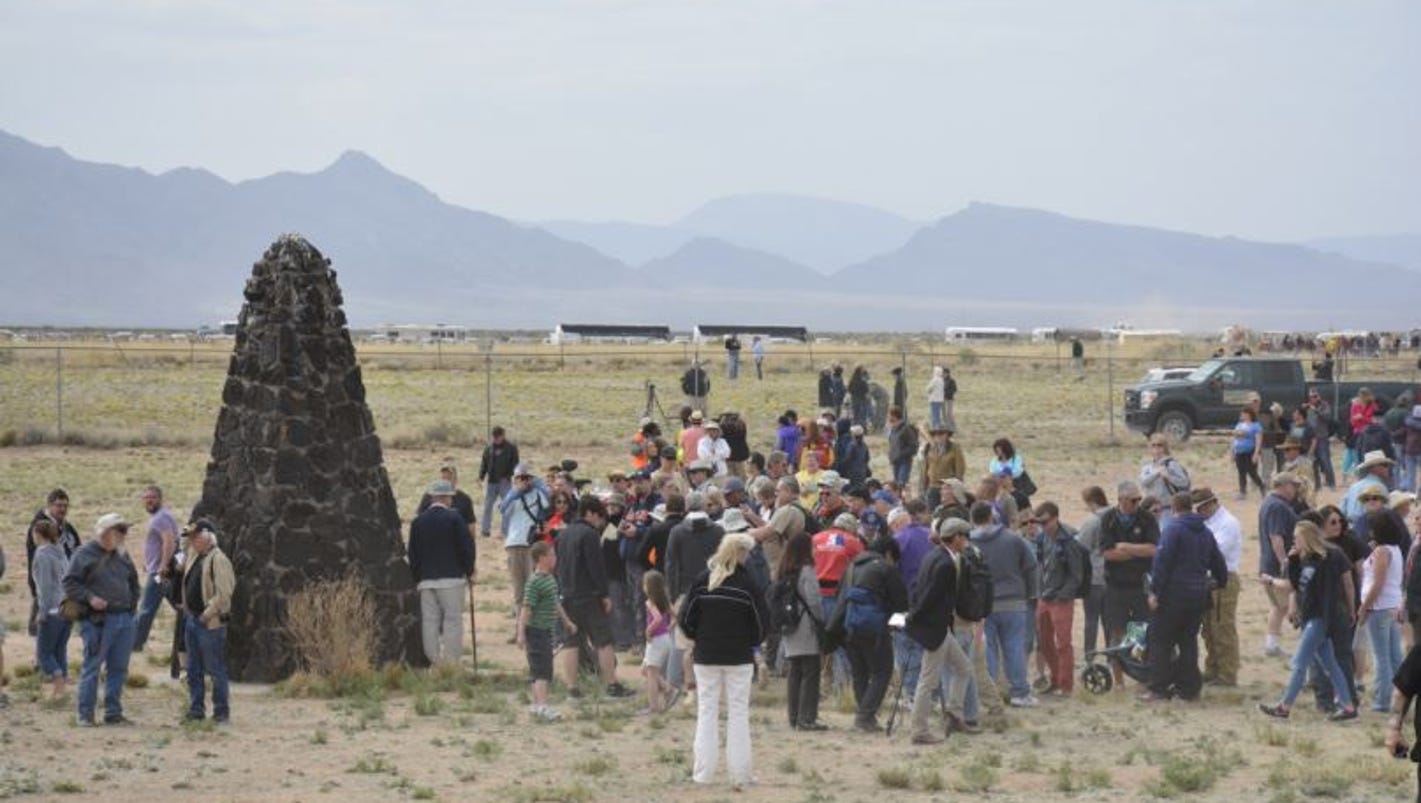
[[1210, 397]]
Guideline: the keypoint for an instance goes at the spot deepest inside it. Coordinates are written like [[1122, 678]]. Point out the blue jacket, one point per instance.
[[1186, 558]]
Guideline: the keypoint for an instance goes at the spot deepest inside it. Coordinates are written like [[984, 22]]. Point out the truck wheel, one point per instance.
[[1175, 425]]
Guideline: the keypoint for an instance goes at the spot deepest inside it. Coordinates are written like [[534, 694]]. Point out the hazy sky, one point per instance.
[[1267, 119]]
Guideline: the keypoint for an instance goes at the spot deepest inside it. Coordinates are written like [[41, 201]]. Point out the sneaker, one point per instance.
[[86, 722], [1275, 651], [1278, 711], [1029, 701], [1343, 714], [927, 738], [617, 690]]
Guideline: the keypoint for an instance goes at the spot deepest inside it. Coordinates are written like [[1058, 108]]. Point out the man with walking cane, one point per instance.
[[441, 558]]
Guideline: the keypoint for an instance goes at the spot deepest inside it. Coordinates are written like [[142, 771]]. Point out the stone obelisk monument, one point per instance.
[[297, 483]]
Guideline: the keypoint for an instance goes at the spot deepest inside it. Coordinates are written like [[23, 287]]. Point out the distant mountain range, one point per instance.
[[1396, 249], [83, 243]]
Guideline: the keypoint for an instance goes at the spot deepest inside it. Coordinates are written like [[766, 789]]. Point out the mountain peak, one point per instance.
[[352, 161]]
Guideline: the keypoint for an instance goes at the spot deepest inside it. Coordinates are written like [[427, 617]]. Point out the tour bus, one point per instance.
[[980, 334]]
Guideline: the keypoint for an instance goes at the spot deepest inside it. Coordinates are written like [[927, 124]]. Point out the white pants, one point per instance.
[[441, 623], [735, 681]]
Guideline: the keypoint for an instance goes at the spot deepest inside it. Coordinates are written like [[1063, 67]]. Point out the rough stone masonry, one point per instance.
[[297, 482]]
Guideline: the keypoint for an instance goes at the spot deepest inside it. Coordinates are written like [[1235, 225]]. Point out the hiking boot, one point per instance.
[[1343, 715], [1278, 711], [927, 738]]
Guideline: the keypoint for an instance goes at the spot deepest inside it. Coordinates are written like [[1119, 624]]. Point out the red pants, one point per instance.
[[1053, 639]]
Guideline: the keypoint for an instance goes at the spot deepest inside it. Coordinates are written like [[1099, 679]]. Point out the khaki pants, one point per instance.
[[441, 623], [949, 653], [520, 566], [1221, 634], [988, 695]]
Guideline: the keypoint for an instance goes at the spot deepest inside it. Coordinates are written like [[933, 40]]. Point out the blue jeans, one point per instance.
[[493, 494], [935, 414], [1385, 633], [206, 655], [52, 646], [1006, 634], [841, 658], [147, 611], [1322, 464], [108, 643], [908, 655], [902, 471], [732, 364], [1314, 643], [1349, 460]]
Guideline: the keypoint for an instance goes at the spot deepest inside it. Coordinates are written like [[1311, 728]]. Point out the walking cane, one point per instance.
[[473, 630], [897, 698]]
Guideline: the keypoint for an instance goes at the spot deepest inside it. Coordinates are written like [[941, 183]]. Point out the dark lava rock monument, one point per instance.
[[297, 482]]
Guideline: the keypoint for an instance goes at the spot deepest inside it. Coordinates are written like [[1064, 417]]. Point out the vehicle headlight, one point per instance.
[[1147, 398]]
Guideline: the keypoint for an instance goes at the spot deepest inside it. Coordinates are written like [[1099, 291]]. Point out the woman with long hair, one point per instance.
[[1338, 532], [1245, 447], [726, 616], [1322, 596], [1381, 609], [1361, 412], [801, 646]]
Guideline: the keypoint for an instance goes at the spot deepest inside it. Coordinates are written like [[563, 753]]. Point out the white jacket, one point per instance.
[[715, 451]]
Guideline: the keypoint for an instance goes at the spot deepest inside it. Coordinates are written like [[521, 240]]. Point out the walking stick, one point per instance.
[[473, 630]]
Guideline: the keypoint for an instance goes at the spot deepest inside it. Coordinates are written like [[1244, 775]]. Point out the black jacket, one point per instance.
[[1063, 567], [582, 573], [727, 622], [695, 382], [498, 462], [655, 539], [440, 547], [934, 597], [826, 390], [871, 571]]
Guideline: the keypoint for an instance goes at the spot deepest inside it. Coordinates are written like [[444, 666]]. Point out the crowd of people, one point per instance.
[[715, 565]]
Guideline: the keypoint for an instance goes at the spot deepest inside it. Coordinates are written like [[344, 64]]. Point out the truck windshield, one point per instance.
[[1205, 371]]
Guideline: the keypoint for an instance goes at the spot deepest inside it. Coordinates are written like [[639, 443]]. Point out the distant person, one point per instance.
[[900, 389], [52, 641], [696, 385], [935, 389], [902, 445], [160, 543], [1277, 520], [949, 396], [1246, 447], [1089, 537], [858, 390], [526, 508], [582, 579], [757, 350], [539, 614], [496, 466], [714, 449], [441, 558], [732, 357], [461, 503], [942, 460], [838, 391], [689, 441], [1220, 626], [1078, 358], [1324, 427], [1162, 476], [102, 577]]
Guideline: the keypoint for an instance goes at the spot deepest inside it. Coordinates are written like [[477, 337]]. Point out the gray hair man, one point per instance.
[[103, 580], [208, 583]]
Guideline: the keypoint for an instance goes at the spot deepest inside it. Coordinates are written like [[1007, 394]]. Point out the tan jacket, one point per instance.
[[218, 581], [938, 465]]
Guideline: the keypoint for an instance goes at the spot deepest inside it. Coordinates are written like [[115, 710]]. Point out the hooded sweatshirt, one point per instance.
[[689, 547], [1186, 558], [1012, 564]]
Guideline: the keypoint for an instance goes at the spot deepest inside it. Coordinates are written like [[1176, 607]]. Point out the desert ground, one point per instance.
[[147, 418]]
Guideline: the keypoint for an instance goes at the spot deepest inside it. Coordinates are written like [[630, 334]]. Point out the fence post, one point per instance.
[[59, 392], [488, 393], [903, 372], [1110, 382]]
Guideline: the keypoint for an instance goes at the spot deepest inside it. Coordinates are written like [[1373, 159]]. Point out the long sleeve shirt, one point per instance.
[[110, 576], [1185, 561], [582, 573]]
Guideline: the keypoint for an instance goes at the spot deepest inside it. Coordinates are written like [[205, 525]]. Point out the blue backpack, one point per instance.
[[864, 616]]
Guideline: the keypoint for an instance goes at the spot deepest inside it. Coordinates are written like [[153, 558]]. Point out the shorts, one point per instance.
[[540, 653], [1278, 596], [1122, 606], [593, 624], [658, 652]]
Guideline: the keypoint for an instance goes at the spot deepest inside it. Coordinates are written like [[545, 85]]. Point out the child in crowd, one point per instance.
[[658, 644], [541, 611], [52, 635]]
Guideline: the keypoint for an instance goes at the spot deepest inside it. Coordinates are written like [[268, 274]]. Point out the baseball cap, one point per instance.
[[110, 521]]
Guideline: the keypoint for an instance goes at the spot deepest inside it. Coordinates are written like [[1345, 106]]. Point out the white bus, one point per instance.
[[980, 334]]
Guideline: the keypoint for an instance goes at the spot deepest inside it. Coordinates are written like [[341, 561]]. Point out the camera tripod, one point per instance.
[[652, 401]]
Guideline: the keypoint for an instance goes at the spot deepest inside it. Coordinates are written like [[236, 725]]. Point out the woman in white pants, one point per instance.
[[726, 615]]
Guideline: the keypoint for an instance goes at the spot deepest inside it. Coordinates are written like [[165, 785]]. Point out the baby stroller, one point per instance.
[[1130, 655]]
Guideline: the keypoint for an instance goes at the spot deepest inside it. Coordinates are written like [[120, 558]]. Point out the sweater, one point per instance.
[[440, 547], [688, 546], [1012, 564], [1186, 558], [582, 573], [727, 622], [50, 564], [110, 576]]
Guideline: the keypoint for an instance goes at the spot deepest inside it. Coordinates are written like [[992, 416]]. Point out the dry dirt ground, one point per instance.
[[476, 741]]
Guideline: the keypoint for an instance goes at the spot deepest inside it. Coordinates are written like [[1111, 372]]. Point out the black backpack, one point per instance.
[[786, 608], [812, 524], [974, 586]]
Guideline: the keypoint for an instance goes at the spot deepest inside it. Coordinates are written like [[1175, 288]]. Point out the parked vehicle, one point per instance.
[[1209, 398], [1163, 373]]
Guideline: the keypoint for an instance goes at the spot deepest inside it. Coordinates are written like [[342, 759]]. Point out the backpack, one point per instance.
[[812, 524], [974, 586], [864, 616], [786, 608]]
